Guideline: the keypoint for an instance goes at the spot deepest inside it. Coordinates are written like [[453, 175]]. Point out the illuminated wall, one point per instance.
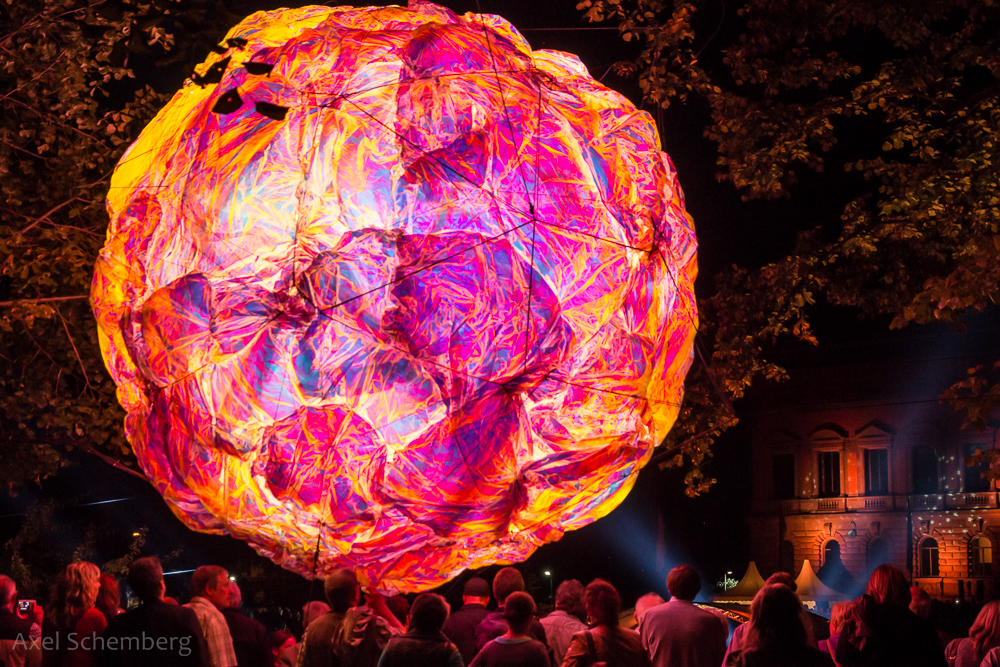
[[934, 503], [388, 286]]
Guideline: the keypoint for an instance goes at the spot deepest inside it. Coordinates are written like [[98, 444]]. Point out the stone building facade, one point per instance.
[[856, 486]]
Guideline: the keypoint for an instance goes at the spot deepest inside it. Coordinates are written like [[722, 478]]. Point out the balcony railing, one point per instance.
[[980, 500], [830, 505], [926, 502], [887, 503]]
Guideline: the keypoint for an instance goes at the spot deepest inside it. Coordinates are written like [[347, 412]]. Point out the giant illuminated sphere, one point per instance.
[[387, 286]]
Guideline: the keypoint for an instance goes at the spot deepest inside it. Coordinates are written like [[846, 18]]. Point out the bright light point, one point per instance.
[[232, 577], [135, 534], [547, 573]]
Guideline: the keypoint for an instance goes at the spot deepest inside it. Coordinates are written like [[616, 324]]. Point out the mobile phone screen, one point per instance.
[[24, 605]]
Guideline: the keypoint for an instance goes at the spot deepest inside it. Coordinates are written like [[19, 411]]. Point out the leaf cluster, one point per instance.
[[70, 106], [48, 541], [896, 102]]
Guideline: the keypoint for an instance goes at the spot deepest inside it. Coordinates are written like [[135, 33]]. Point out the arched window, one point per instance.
[[833, 573], [787, 557], [831, 553], [981, 556], [878, 553], [929, 558]]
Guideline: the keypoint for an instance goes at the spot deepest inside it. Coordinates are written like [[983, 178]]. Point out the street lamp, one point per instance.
[[552, 595]]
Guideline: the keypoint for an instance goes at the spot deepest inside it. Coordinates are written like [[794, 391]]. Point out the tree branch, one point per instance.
[[50, 212], [18, 302], [86, 377], [112, 462]]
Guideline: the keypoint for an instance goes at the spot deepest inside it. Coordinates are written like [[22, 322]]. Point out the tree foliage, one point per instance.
[[897, 99], [47, 542], [898, 96], [70, 107]]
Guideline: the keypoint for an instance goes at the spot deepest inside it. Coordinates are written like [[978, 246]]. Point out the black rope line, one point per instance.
[[503, 101]]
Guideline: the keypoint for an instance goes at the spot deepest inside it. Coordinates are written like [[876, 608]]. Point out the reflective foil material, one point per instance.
[[387, 286]]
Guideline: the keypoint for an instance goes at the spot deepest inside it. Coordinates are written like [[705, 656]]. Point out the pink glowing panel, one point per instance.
[[388, 286]]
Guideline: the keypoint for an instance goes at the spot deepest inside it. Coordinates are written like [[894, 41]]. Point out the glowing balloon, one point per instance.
[[386, 285]]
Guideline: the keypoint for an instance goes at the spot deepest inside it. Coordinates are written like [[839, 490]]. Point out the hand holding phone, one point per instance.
[[29, 609]]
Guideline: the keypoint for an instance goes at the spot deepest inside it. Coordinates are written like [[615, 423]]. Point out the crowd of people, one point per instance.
[[84, 626]]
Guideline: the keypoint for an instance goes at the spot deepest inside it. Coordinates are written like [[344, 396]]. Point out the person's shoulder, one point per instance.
[[540, 650], [965, 646], [93, 614], [664, 608], [471, 612], [673, 608], [168, 610], [992, 658], [122, 620], [12, 624], [92, 619], [704, 616], [491, 622], [628, 636], [472, 609], [537, 645], [360, 612], [257, 626]]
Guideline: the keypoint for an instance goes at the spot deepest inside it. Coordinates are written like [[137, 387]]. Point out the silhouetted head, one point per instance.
[[683, 582], [342, 590], [519, 609], [569, 598], [888, 585], [603, 603], [775, 620], [507, 581], [784, 579], [428, 613]]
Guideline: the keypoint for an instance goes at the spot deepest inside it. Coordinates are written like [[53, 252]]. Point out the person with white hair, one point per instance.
[[644, 604], [19, 633]]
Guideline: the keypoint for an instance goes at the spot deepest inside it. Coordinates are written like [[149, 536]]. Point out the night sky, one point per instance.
[[709, 531]]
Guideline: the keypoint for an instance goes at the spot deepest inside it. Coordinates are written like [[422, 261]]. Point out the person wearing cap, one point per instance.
[[350, 634], [461, 626]]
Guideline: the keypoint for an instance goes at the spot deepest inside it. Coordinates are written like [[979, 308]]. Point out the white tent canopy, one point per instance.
[[809, 587], [746, 589]]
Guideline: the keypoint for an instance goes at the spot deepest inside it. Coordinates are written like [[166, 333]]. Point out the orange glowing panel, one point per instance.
[[386, 285]]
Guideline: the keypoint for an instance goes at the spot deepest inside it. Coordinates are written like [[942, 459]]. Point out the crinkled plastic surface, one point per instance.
[[390, 287]]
